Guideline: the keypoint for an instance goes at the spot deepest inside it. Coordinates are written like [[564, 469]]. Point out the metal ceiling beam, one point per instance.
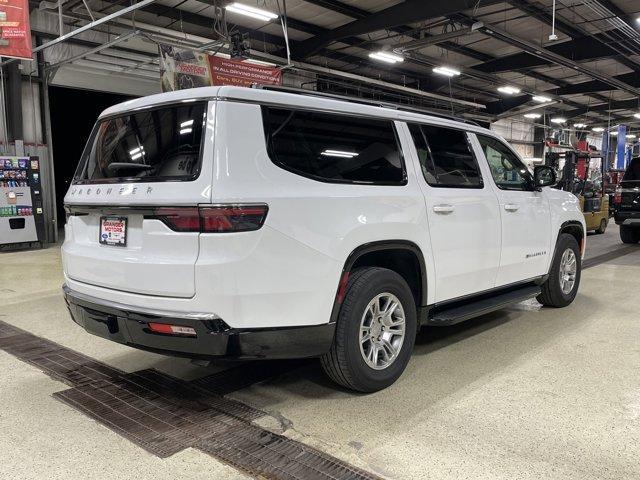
[[617, 11], [597, 86], [96, 49], [89, 26], [572, 30], [408, 11], [631, 104], [342, 8], [497, 107], [586, 48], [358, 13], [431, 40], [539, 51], [206, 22]]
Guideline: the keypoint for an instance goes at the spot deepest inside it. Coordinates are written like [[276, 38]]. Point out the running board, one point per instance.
[[454, 314]]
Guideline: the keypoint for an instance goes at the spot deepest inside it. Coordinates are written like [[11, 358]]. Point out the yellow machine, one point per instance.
[[587, 183]]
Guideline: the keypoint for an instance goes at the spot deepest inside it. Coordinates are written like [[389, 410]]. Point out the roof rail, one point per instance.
[[364, 101]]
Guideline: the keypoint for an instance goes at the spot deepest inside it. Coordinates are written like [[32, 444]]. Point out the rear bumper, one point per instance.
[[627, 217], [128, 325]]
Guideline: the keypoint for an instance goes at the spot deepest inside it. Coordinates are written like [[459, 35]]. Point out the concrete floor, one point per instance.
[[522, 393]]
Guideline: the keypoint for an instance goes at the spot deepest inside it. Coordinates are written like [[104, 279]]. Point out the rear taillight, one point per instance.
[[213, 219], [617, 196], [236, 218], [180, 219]]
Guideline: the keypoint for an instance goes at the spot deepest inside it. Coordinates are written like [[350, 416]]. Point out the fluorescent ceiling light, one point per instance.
[[540, 99], [637, 115], [339, 153], [185, 131], [252, 12], [386, 57], [613, 133], [579, 125], [509, 90], [188, 123], [558, 120], [448, 71], [598, 129], [631, 135], [532, 115], [260, 62]]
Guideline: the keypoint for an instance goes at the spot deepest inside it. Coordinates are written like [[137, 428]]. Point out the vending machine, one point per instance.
[[21, 214]]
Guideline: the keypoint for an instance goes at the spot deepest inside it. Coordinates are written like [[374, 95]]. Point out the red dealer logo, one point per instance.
[[191, 69]]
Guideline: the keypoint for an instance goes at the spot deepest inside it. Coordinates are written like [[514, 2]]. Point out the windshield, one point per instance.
[[151, 145]]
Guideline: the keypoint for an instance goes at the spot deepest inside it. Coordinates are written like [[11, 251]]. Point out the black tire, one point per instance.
[[344, 363], [629, 234], [552, 294], [602, 227]]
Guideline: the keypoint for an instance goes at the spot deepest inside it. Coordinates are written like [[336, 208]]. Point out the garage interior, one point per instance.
[[525, 392]]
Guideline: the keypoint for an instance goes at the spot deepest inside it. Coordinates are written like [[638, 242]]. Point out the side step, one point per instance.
[[454, 313]]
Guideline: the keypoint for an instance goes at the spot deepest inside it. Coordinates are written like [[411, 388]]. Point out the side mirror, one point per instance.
[[544, 176]]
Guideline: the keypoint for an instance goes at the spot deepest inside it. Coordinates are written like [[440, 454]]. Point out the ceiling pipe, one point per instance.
[[541, 52]]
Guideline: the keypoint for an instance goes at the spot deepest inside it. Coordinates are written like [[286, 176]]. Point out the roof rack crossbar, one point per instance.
[[364, 101]]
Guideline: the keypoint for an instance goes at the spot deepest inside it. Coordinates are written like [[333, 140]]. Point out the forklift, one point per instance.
[[586, 183]]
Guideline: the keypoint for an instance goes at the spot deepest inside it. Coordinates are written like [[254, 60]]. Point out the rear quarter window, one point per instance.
[[334, 148], [156, 144]]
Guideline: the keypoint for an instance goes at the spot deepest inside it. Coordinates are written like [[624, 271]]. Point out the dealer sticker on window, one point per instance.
[[113, 231]]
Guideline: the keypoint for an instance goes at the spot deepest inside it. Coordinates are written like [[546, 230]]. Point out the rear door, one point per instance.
[[463, 215], [524, 212], [134, 164]]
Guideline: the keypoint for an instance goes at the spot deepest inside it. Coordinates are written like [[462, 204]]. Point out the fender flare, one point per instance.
[[375, 247]]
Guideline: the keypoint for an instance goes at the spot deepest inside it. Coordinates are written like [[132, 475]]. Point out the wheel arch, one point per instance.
[[402, 256], [576, 229]]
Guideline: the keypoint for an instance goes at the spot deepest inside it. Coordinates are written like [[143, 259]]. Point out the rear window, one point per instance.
[[334, 148], [445, 157], [158, 144]]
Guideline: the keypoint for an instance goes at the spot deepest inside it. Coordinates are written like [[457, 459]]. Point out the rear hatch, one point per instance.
[[137, 166], [630, 195]]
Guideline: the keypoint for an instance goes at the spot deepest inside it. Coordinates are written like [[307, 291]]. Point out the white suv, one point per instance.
[[252, 223]]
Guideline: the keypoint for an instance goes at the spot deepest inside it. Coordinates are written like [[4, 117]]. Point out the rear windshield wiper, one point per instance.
[[113, 167]]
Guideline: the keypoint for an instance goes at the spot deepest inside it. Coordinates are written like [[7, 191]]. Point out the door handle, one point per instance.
[[511, 207], [443, 208]]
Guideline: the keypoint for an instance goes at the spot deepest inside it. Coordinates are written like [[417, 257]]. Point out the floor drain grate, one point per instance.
[[164, 415]]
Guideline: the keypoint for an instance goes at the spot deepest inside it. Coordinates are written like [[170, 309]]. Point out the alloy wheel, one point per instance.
[[568, 271], [382, 331]]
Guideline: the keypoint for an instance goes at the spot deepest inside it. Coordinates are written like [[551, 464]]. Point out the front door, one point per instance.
[[524, 211], [462, 210]]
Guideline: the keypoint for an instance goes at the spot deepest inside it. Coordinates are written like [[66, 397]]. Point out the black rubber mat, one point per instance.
[[165, 415]]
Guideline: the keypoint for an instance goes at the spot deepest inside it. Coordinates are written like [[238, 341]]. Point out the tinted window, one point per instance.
[[507, 170], [156, 144], [445, 157], [334, 148]]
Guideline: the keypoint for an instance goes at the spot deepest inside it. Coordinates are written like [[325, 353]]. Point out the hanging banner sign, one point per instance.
[[15, 32], [183, 68], [233, 72]]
